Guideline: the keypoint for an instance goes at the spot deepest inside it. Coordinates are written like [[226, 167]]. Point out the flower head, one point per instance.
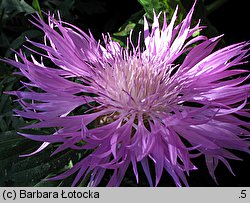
[[144, 105]]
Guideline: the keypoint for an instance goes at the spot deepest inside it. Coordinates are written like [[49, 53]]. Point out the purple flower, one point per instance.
[[144, 105]]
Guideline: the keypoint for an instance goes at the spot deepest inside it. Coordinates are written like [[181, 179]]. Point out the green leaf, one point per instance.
[[19, 41], [10, 8], [167, 6], [36, 6], [133, 23], [24, 7], [31, 171]]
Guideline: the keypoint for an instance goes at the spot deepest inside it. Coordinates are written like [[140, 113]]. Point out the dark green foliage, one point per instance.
[[115, 17]]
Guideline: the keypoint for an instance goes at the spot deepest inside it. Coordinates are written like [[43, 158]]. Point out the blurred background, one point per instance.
[[100, 16]]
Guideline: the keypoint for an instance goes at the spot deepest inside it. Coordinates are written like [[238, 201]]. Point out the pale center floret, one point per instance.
[[136, 85]]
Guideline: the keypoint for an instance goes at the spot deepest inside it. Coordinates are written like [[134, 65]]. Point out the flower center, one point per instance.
[[136, 85]]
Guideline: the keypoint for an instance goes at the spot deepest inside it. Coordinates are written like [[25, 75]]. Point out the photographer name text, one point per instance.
[[38, 194]]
